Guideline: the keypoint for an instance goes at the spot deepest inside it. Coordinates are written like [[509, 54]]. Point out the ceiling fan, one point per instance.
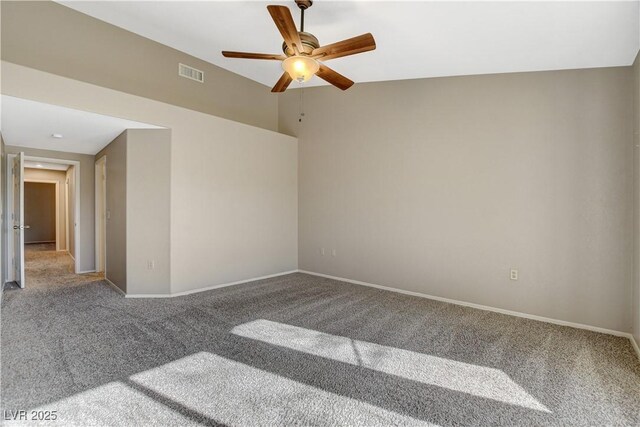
[[303, 56]]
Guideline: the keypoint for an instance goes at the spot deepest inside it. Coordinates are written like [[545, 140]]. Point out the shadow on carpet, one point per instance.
[[300, 349]]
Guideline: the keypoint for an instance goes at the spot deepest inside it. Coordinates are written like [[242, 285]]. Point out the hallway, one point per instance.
[[47, 268]]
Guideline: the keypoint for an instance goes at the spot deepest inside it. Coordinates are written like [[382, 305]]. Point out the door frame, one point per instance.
[[17, 218], [67, 204], [9, 208], [101, 214], [50, 181]]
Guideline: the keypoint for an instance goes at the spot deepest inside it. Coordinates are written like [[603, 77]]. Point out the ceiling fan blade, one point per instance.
[[284, 21], [283, 83], [248, 55], [333, 77], [359, 44]]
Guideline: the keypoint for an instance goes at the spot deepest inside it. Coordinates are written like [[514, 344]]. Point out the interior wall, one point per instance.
[[3, 214], [234, 193], [60, 177], [116, 221], [148, 203], [63, 41], [71, 209], [40, 212], [139, 206], [441, 186], [87, 202], [234, 208], [636, 187]]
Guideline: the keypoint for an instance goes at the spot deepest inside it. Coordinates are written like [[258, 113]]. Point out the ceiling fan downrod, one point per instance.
[[303, 5]]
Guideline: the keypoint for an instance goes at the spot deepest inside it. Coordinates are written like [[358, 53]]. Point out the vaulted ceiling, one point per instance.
[[415, 39]]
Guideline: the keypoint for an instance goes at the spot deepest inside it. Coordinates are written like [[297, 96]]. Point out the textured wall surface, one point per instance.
[[441, 186]]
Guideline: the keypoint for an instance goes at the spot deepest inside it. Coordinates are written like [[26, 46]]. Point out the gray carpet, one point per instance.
[[297, 350], [39, 247]]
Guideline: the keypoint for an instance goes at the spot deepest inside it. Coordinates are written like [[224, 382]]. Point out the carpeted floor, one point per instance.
[[297, 350], [47, 268]]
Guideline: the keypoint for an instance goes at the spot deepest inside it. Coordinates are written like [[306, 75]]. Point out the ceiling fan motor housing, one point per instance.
[[304, 4], [309, 43]]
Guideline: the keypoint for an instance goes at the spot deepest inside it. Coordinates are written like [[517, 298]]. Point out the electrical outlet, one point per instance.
[[513, 274], [151, 264]]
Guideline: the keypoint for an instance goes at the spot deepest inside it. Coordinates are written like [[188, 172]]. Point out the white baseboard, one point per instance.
[[635, 345], [72, 257], [86, 271], [113, 285], [478, 306], [401, 291], [208, 288]]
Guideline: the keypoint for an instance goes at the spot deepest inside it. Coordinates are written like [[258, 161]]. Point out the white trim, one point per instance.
[[86, 272], [635, 345], [113, 285], [8, 189], [56, 183], [402, 291], [478, 306], [67, 203], [77, 218], [208, 288], [100, 196], [72, 257]]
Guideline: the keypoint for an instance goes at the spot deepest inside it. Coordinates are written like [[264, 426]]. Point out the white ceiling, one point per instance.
[[48, 166], [30, 124], [415, 39]]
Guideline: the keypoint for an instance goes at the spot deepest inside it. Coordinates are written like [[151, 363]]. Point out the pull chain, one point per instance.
[[301, 105]]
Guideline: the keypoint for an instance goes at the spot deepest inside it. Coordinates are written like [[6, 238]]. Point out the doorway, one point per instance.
[[41, 212], [43, 204]]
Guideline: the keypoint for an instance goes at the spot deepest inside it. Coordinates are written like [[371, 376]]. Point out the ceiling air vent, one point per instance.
[[190, 73]]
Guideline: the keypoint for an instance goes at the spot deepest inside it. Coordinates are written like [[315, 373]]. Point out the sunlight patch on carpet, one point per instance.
[[453, 375], [238, 394]]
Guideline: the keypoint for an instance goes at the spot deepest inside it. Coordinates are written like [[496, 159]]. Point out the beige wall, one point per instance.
[[62, 41], [87, 202], [148, 211], [71, 208], [116, 220], [40, 212], [139, 206], [60, 178], [3, 215], [440, 186], [234, 194], [636, 193]]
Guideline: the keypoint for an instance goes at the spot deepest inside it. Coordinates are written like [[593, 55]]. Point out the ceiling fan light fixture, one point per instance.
[[300, 48], [300, 68]]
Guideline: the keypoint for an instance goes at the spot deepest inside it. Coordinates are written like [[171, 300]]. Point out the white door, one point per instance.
[[18, 219]]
